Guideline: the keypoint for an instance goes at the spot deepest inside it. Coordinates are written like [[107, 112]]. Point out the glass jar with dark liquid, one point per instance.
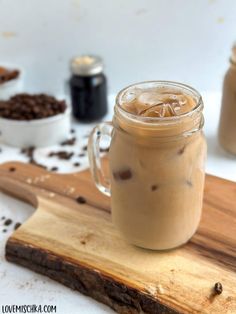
[[88, 88]]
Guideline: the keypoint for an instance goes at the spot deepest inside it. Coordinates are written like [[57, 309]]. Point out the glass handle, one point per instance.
[[102, 182]]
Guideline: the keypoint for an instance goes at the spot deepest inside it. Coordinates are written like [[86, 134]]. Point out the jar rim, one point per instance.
[[161, 83]]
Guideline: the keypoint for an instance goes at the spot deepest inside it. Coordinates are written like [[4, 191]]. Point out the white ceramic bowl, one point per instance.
[[38, 133], [14, 86]]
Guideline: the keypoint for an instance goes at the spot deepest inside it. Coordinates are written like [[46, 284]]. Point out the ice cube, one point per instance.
[[154, 111], [149, 98], [130, 95], [158, 103]]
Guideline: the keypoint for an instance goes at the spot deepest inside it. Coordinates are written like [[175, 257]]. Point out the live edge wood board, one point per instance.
[[77, 245]]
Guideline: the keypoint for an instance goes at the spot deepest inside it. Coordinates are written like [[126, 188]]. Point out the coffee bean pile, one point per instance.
[[31, 107], [8, 75]]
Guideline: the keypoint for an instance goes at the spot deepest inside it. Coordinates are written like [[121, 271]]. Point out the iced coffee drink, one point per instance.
[[227, 126], [156, 159]]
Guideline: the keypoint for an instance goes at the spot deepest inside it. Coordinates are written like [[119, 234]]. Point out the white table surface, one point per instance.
[[21, 286]]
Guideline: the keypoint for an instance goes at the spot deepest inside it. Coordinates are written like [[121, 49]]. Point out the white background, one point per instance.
[[183, 40]]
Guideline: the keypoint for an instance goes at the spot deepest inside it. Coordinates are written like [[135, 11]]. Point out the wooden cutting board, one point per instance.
[[77, 245]]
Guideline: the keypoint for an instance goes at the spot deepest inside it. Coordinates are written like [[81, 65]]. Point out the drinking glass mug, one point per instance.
[[156, 170]]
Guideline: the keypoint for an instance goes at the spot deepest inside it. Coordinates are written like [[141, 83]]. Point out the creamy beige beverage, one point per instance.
[[156, 158], [227, 126], [157, 167]]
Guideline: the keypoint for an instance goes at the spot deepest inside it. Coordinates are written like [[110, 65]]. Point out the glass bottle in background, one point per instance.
[[227, 125], [88, 88]]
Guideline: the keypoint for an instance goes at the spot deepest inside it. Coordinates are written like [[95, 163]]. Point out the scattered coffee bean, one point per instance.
[[154, 187], [218, 288], [76, 164], [12, 169], [31, 107], [81, 200], [4, 230], [83, 242], [181, 150], [0, 150], [8, 75], [8, 222], [17, 225], [61, 155], [69, 142], [28, 151], [3, 218], [98, 133], [81, 155], [189, 183], [123, 174], [72, 131], [54, 169], [35, 163], [85, 148]]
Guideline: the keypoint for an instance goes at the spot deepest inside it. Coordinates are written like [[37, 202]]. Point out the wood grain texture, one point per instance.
[[77, 245]]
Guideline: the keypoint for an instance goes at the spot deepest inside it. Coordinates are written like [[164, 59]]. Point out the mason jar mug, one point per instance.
[[156, 163]]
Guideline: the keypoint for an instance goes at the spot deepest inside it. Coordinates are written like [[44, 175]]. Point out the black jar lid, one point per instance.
[[86, 65]]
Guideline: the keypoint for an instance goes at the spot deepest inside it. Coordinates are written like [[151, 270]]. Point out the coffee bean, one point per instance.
[[8, 222], [28, 151], [76, 164], [8, 75], [3, 217], [125, 174], [81, 200], [54, 169], [4, 230], [218, 288], [12, 169], [61, 155], [72, 131], [17, 225], [35, 163], [69, 142], [81, 155], [154, 187], [85, 148]]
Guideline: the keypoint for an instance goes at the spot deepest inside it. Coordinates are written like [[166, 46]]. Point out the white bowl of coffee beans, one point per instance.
[[34, 120], [11, 80]]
